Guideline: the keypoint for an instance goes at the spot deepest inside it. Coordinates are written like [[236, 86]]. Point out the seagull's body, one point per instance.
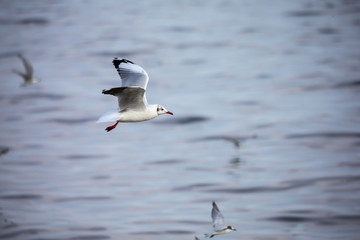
[[29, 71], [133, 106], [218, 222]]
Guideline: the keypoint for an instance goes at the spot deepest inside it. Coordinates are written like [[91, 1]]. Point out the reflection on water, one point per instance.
[[266, 120], [236, 141]]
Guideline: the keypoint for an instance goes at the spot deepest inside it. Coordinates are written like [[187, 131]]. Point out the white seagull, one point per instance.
[[133, 106], [218, 222], [29, 71]]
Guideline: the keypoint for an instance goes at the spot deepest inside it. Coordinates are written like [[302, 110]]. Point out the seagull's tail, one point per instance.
[[109, 116]]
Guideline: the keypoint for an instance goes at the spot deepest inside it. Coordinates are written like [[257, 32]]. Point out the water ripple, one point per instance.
[[194, 186], [25, 21], [89, 237], [350, 84], [166, 162], [289, 185], [21, 197], [19, 233], [325, 135], [353, 85], [29, 96], [89, 198], [323, 220], [68, 121], [172, 232], [95, 229], [183, 120], [84, 157], [304, 13]]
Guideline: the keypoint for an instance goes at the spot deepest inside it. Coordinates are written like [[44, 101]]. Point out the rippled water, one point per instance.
[[266, 120]]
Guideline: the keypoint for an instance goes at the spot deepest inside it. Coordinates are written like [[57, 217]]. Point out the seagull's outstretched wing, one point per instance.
[[217, 218], [23, 75], [28, 67], [129, 97], [131, 75]]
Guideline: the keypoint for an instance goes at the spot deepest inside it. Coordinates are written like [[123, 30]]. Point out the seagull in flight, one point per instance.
[[29, 71], [133, 106], [218, 222]]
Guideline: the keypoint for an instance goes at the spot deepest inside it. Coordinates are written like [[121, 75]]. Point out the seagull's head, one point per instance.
[[161, 110], [231, 228]]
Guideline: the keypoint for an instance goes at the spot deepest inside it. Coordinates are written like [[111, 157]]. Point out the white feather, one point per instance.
[[110, 116]]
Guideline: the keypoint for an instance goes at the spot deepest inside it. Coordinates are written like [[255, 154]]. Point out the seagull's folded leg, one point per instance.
[[109, 128]]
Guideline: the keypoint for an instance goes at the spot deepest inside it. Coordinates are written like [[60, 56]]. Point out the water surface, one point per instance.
[[266, 120]]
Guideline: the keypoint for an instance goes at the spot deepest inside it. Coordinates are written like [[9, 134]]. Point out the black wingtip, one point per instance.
[[215, 206], [117, 61]]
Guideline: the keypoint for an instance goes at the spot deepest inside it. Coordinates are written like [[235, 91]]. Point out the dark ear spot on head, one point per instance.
[[158, 108], [229, 227]]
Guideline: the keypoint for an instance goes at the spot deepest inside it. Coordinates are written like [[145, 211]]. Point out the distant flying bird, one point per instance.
[[29, 71], [218, 222], [133, 106]]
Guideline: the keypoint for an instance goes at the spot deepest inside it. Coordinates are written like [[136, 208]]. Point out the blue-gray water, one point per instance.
[[282, 77]]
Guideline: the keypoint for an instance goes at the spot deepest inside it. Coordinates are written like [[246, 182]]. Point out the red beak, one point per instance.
[[168, 112]]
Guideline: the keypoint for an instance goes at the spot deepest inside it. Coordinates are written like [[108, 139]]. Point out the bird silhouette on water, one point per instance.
[[28, 74]]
